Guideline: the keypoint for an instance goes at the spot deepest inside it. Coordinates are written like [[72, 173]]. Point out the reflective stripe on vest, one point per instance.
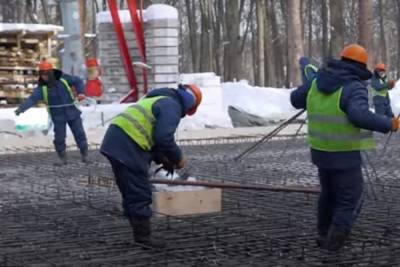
[[328, 126], [45, 92], [137, 121], [310, 66], [383, 93]]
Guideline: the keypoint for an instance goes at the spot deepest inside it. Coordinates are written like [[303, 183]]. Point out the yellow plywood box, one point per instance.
[[187, 202]]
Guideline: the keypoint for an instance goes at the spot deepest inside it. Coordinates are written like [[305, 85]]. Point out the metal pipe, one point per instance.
[[258, 187]]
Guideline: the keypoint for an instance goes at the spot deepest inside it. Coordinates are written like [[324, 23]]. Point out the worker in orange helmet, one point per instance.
[[340, 126], [143, 133], [94, 86], [380, 91], [57, 90]]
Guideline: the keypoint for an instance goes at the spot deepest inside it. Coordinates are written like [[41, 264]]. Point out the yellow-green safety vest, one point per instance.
[[137, 121], [45, 91], [328, 126], [383, 93]]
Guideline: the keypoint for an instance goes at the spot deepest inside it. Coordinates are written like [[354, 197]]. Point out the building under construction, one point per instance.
[[72, 216]]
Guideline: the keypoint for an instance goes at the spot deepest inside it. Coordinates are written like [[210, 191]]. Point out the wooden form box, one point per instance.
[[176, 203]]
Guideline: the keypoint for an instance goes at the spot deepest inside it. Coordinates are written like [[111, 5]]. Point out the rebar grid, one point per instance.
[[72, 216]]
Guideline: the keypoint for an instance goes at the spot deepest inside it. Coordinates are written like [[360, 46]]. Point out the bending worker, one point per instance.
[[380, 91], [144, 132], [55, 90], [339, 127]]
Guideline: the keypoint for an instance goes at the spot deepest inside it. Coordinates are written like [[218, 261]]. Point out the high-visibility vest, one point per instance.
[[307, 67], [45, 91], [383, 93], [137, 121], [328, 126]]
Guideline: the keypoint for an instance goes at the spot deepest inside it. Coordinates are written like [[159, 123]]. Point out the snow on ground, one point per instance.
[[270, 103], [153, 12]]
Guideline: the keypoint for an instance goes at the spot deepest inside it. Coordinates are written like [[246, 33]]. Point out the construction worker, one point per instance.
[[339, 128], [56, 90], [380, 91], [144, 132], [308, 70]]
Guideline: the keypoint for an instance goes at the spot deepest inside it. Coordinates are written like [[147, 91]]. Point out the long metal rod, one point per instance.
[[279, 128], [388, 140], [287, 189]]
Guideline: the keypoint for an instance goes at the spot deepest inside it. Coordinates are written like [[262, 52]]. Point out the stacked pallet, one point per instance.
[[161, 38], [21, 47]]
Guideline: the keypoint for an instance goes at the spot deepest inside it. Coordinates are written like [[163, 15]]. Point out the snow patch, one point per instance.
[[29, 28], [160, 11], [153, 12], [269, 103]]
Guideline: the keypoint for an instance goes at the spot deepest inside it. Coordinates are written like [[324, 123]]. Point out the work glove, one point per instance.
[[81, 97], [391, 83], [18, 111], [395, 124]]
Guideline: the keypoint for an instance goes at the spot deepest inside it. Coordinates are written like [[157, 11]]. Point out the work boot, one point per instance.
[[142, 233], [336, 238], [85, 156], [62, 156]]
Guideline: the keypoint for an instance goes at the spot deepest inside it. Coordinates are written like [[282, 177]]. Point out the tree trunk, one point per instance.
[[278, 56], [191, 11], [324, 15], [217, 38], [365, 25], [260, 64], [270, 68], [398, 35], [310, 28], [232, 68], [337, 27], [382, 35], [295, 44], [206, 39], [82, 23]]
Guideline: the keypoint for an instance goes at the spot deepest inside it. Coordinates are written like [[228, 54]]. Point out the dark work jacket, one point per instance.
[[57, 95], [354, 102]]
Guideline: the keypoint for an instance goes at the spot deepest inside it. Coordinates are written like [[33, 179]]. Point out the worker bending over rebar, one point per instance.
[[339, 127], [143, 133]]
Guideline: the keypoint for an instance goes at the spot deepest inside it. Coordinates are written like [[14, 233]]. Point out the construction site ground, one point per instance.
[[71, 216]]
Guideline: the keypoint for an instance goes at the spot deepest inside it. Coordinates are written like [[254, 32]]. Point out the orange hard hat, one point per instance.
[[380, 66], [45, 65], [92, 62], [356, 53], [197, 94]]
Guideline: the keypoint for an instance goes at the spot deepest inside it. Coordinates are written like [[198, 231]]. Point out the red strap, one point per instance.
[[140, 40], [124, 50]]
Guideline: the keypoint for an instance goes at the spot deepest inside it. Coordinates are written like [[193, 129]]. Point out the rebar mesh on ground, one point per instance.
[[72, 216]]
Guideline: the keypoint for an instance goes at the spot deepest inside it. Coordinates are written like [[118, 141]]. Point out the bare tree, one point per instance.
[[206, 61], [324, 15], [45, 11], [295, 44], [365, 25], [260, 64], [310, 28], [192, 24], [337, 27], [232, 55], [382, 35]]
